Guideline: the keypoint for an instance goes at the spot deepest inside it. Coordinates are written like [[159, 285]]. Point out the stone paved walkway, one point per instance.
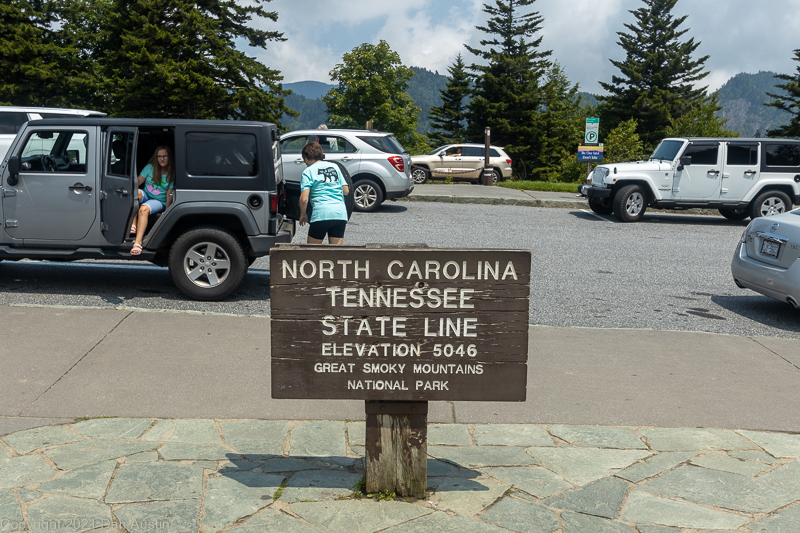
[[256, 476]]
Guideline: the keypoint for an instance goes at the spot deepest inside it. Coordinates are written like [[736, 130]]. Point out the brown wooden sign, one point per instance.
[[399, 323]]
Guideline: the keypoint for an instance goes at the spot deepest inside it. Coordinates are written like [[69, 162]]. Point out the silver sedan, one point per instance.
[[767, 258]]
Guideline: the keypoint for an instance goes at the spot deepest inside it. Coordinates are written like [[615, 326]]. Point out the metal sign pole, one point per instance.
[[488, 172]]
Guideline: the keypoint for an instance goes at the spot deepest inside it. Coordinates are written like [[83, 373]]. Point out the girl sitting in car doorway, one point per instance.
[[158, 178]]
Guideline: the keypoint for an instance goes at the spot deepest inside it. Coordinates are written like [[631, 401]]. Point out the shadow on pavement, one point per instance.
[[762, 309]]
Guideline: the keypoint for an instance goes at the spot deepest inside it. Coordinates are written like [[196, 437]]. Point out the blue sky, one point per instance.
[[739, 35]]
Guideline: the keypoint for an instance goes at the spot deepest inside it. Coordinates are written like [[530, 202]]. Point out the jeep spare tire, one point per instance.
[[207, 263]]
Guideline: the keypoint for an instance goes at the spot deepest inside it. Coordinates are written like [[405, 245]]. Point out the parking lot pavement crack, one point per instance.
[[90, 350], [776, 353]]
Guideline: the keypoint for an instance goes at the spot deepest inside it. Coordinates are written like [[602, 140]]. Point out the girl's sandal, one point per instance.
[[136, 250]]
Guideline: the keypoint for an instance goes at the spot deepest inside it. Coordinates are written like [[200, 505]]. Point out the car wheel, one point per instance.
[[630, 203], [207, 263], [367, 195], [770, 203], [420, 175], [601, 207], [496, 176], [734, 214]]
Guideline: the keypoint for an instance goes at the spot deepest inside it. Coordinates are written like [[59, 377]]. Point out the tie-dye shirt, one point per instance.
[[156, 190]]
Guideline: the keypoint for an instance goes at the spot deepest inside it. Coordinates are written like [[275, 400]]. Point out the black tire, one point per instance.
[[770, 203], [368, 195], [734, 214], [497, 176], [630, 203], [420, 175], [601, 206], [190, 254]]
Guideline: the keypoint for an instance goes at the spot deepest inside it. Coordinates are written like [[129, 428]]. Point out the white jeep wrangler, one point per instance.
[[739, 177]]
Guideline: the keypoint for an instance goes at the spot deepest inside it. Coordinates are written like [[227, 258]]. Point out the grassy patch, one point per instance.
[[279, 492], [360, 489], [550, 186]]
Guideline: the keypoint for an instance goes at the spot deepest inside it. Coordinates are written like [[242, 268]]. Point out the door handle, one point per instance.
[[750, 172], [715, 172], [298, 161], [80, 187], [347, 159], [122, 191]]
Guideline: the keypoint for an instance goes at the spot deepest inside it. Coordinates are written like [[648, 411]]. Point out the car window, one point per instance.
[[436, 152], [335, 145], [293, 145], [66, 148], [742, 154], [703, 154], [782, 155], [119, 154], [473, 151], [10, 123], [221, 154], [385, 143], [667, 150], [493, 153]]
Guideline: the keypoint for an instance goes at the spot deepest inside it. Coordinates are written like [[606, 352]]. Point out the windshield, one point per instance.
[[437, 150], [667, 150]]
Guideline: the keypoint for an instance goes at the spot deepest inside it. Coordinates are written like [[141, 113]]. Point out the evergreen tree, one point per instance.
[[507, 95], [790, 101], [450, 117], [701, 120], [656, 82], [562, 120], [177, 59], [373, 85]]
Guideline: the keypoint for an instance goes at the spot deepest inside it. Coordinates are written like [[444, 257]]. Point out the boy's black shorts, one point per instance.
[[332, 228]]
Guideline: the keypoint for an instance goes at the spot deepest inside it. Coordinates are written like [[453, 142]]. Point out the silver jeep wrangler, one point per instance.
[[69, 192], [739, 177]]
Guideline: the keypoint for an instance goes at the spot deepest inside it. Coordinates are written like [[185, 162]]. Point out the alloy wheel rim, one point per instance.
[[772, 206], [418, 175], [365, 196], [634, 204], [206, 264]]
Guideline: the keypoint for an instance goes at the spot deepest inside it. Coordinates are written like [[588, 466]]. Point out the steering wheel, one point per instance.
[[49, 163]]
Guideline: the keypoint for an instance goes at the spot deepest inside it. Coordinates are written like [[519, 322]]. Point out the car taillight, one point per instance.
[[508, 161], [273, 203], [397, 163]]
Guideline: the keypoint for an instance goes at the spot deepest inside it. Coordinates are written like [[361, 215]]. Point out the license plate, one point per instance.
[[770, 249]]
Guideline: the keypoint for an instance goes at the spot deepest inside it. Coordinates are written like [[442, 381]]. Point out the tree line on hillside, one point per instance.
[[178, 59]]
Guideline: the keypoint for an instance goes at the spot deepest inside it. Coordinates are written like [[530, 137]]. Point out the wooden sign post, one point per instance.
[[399, 326]]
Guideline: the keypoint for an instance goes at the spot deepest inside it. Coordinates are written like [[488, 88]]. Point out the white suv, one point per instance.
[[12, 119], [739, 177], [377, 163]]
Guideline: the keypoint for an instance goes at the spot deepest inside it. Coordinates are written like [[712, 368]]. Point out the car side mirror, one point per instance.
[[685, 162], [13, 170]]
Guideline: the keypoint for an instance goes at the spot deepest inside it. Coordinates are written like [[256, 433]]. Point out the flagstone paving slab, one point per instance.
[[598, 437], [28, 495], [722, 489], [730, 464], [787, 521], [173, 451], [156, 481], [467, 496], [788, 474], [85, 482], [602, 498], [256, 437], [522, 516], [448, 434], [117, 428], [318, 485], [777, 444], [10, 512], [442, 523], [67, 514], [659, 529], [580, 523], [169, 517], [584, 465], [286, 464], [483, 456], [646, 508], [84, 453], [536, 481], [25, 470], [199, 430], [689, 439], [438, 468], [207, 465], [755, 456], [236, 495], [318, 439], [144, 457], [5, 455], [270, 520], [356, 433], [654, 465], [32, 439], [511, 435], [357, 516]]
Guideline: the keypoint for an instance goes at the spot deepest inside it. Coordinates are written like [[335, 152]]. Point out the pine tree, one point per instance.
[[656, 82], [788, 102], [508, 95], [562, 120], [450, 117], [177, 59]]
